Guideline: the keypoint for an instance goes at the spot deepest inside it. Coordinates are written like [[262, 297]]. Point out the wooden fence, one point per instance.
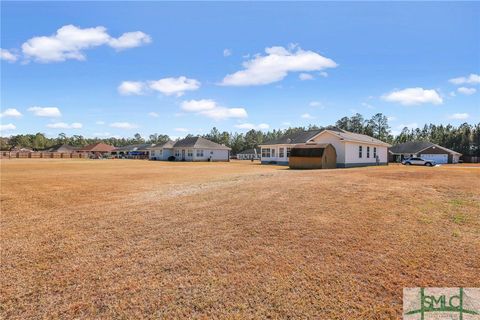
[[42, 155]]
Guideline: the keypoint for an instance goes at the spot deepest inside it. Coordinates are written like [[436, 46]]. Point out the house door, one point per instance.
[[183, 155]]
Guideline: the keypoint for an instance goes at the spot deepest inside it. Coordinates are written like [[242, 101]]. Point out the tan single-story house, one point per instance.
[[190, 149], [423, 149]]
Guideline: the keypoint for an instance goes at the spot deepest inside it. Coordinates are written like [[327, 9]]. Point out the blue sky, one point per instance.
[[116, 68]]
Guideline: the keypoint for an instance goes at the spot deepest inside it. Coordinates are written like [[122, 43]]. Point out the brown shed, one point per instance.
[[313, 156]]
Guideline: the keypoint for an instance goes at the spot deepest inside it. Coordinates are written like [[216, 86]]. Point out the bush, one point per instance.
[[171, 158]]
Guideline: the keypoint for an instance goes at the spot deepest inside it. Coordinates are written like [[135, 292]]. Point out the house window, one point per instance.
[[360, 151], [273, 153], [281, 152], [199, 153], [288, 152], [190, 153], [375, 152], [265, 153], [368, 152], [177, 153]]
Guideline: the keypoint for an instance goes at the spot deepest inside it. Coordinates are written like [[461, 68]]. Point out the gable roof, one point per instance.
[[135, 147], [416, 147], [199, 143], [62, 148], [295, 138], [250, 151], [355, 137], [98, 147], [168, 144]]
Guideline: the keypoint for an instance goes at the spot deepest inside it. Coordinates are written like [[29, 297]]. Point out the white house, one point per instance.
[[353, 149], [191, 149]]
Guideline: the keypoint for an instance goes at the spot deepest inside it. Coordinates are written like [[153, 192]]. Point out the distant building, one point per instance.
[[62, 148], [249, 154], [423, 149], [190, 149], [133, 151], [98, 149], [352, 149]]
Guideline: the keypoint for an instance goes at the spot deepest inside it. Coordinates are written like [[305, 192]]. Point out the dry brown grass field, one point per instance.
[[140, 239]]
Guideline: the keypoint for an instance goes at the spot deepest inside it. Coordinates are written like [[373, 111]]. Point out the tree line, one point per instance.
[[464, 138]]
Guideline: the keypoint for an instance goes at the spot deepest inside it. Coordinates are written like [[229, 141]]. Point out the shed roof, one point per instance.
[[416, 146], [198, 143]]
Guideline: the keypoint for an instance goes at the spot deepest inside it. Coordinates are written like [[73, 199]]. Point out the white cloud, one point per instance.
[[63, 125], [452, 94], [7, 127], [467, 91], [51, 112], [10, 112], [323, 74], [250, 126], [130, 40], [123, 125], [305, 76], [227, 52], [128, 88], [471, 79], [413, 96], [307, 116], [153, 114], [7, 55], [367, 105], [211, 109], [105, 135], [315, 104], [70, 41], [177, 86], [181, 129], [459, 116], [275, 65], [100, 122], [391, 118]]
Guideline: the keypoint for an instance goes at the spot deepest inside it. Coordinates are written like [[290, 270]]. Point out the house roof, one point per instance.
[[168, 144], [98, 147], [62, 148], [294, 138], [416, 146], [135, 147], [250, 151], [356, 137], [198, 143]]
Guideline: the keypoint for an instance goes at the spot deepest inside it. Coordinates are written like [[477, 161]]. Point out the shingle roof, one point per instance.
[[294, 138], [168, 144], [199, 143], [347, 135], [134, 147], [62, 148], [249, 151], [416, 146], [98, 147]]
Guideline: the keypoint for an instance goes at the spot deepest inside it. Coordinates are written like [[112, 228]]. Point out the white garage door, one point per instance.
[[438, 158]]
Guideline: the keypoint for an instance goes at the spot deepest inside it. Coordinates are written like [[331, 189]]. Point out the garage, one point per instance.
[[438, 158]]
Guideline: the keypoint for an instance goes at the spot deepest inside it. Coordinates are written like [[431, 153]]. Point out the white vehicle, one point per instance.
[[418, 162]]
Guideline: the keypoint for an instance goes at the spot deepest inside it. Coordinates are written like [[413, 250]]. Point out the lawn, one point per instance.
[[143, 239]]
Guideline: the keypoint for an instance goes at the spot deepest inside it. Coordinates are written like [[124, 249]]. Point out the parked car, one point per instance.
[[419, 162]]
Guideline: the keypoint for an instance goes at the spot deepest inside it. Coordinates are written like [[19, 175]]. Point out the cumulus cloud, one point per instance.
[[174, 86], [305, 76], [10, 112], [471, 79], [52, 112], [70, 41], [8, 55], [323, 74], [123, 125], [128, 88], [467, 91], [307, 116], [63, 125], [227, 52], [275, 65], [250, 126], [211, 109], [153, 114], [167, 86], [413, 96], [7, 127], [459, 116]]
